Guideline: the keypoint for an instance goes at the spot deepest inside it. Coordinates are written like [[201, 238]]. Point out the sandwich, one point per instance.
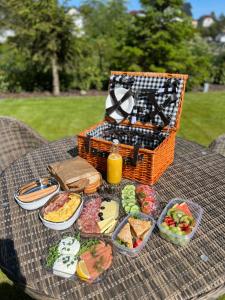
[[125, 236], [139, 227]]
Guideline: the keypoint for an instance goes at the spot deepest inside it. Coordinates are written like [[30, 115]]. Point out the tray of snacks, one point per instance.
[[99, 215], [179, 221], [102, 211], [140, 198], [76, 258], [36, 193], [61, 210], [132, 234]]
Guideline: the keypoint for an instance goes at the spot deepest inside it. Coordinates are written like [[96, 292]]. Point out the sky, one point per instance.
[[199, 7]]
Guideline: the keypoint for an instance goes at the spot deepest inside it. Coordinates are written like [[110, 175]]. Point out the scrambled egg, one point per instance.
[[64, 212]]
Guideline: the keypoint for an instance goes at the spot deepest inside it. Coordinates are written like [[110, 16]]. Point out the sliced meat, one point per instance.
[[88, 219], [56, 203]]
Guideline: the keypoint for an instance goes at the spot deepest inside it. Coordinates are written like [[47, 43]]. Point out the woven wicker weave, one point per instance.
[[16, 139], [161, 271], [218, 145], [153, 163]]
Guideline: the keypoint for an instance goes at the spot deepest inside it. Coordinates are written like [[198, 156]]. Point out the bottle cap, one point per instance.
[[116, 142]]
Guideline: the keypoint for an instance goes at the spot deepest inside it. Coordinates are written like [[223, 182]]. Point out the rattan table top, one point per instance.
[[161, 271]]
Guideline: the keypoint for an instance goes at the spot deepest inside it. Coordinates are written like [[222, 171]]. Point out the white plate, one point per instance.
[[127, 105]]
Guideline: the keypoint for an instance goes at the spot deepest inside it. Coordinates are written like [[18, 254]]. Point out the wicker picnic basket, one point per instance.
[[146, 144]]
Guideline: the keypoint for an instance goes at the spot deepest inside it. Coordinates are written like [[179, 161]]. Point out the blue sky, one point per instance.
[[199, 7]]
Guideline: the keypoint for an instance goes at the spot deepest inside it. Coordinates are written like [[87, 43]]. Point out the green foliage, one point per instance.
[[198, 62], [161, 40], [44, 31], [219, 68], [105, 25], [167, 41]]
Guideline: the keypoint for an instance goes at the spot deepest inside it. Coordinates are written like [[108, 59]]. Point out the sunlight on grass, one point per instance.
[[54, 118]]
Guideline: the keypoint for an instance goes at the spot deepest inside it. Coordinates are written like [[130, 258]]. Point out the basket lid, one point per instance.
[[158, 97]]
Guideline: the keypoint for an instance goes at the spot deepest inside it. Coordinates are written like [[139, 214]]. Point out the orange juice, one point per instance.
[[114, 165]]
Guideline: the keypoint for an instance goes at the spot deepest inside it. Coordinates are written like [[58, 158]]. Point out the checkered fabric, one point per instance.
[[138, 84], [145, 138], [16, 139]]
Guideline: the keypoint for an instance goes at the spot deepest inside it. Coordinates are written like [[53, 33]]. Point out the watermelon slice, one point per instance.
[[184, 208]]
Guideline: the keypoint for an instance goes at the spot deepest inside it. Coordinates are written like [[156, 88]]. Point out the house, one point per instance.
[[4, 34], [195, 23], [206, 21], [220, 38], [78, 21], [139, 13]]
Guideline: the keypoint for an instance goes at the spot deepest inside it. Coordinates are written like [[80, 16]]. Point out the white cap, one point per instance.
[[116, 142]]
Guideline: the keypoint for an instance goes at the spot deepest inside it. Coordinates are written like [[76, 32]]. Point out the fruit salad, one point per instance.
[[177, 222]]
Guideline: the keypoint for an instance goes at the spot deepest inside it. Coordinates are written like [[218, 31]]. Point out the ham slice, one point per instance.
[[56, 203]]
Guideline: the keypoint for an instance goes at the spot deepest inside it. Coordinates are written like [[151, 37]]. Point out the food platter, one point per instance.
[[91, 258], [61, 210], [117, 218], [100, 215], [133, 233]]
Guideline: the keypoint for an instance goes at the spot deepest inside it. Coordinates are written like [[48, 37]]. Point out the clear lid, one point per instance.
[[133, 251], [64, 257], [196, 212]]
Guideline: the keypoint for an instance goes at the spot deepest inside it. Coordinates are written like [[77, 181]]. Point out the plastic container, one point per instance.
[[61, 225], [181, 240], [135, 251], [152, 208], [55, 242], [35, 185], [103, 197]]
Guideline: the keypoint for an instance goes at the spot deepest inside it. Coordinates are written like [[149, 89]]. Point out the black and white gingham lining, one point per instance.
[[146, 83], [134, 139]]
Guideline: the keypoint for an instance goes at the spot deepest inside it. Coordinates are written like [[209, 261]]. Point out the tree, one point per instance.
[[162, 35], [106, 25], [45, 32], [187, 8]]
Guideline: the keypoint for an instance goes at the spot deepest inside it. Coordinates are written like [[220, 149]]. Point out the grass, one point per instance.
[[54, 118], [202, 118], [8, 291]]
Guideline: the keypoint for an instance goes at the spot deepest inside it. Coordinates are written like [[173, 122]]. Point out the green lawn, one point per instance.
[[202, 118], [202, 121]]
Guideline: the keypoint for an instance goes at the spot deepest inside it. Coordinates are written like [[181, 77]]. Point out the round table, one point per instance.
[[161, 271]]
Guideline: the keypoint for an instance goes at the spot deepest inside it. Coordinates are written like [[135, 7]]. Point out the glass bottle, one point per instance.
[[114, 164]]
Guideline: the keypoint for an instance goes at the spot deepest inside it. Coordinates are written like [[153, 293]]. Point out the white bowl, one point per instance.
[[41, 201], [65, 224]]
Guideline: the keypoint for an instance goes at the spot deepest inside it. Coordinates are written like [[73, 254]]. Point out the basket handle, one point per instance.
[[135, 156], [104, 154], [127, 160]]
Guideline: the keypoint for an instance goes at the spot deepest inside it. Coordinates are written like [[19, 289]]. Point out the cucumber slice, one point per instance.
[[135, 209], [127, 208]]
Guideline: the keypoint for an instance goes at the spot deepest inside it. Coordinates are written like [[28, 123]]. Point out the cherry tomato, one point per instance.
[[137, 243]]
